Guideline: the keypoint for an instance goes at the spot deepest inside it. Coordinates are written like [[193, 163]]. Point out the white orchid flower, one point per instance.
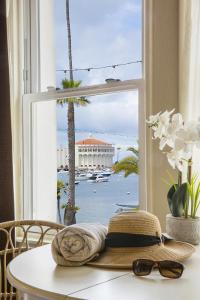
[[179, 144], [191, 132], [170, 131], [164, 118], [160, 131], [163, 142], [163, 122], [176, 124], [181, 134], [153, 119], [175, 160]]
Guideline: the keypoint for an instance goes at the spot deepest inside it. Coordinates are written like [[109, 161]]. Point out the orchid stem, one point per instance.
[[179, 178]]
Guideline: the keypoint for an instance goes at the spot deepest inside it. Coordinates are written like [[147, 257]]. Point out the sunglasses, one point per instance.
[[167, 268]]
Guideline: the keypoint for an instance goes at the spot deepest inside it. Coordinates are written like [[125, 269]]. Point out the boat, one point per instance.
[[62, 171], [81, 177], [94, 172], [97, 178], [77, 182], [92, 178], [101, 178], [106, 173], [89, 174]]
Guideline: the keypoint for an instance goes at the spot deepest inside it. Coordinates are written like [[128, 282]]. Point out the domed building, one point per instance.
[[92, 153]]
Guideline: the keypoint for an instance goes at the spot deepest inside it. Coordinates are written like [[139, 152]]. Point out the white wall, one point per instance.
[[162, 92]]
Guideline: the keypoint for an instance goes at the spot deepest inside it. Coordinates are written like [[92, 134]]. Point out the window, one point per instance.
[[40, 113]]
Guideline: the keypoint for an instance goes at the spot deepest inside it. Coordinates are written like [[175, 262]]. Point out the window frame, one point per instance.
[[33, 95]]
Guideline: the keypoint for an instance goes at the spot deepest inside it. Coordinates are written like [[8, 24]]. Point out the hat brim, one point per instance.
[[122, 258]]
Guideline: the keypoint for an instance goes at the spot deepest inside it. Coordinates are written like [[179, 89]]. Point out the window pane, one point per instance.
[[105, 129], [103, 33]]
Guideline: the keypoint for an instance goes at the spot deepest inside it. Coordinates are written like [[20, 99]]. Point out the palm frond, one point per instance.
[[80, 101], [60, 187], [60, 184], [134, 150], [128, 165], [69, 84]]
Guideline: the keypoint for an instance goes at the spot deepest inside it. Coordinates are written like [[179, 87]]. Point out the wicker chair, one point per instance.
[[17, 237]]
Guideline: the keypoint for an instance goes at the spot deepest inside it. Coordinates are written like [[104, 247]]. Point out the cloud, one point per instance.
[[113, 113], [103, 33]]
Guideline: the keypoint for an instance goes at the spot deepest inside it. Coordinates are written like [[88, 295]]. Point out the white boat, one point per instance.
[[63, 172], [101, 178], [89, 174], [77, 182], [81, 177], [106, 172], [92, 173]]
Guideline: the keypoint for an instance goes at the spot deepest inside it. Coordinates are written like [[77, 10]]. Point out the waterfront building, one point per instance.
[[89, 154], [92, 153]]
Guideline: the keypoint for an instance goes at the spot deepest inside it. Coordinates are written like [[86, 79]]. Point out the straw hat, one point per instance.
[[137, 234]]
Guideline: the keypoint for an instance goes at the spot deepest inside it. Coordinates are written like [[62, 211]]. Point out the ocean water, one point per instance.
[[98, 201]]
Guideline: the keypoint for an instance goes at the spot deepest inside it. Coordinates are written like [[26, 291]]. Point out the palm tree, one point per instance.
[[60, 187], [70, 208], [69, 214], [129, 164], [71, 130]]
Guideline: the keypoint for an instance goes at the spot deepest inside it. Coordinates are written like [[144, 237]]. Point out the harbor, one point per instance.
[[99, 193], [98, 201]]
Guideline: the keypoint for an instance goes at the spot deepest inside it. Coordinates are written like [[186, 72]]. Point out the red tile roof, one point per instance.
[[91, 141]]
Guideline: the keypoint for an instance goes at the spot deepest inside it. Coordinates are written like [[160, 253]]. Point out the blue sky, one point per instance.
[[104, 32]]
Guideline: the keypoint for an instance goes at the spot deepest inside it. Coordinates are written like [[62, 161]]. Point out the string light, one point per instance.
[[100, 67]]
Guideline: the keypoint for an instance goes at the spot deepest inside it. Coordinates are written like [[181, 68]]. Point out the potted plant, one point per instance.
[[178, 139]]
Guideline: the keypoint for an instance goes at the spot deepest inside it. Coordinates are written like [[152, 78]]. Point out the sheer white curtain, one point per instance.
[[189, 55], [189, 65], [16, 60]]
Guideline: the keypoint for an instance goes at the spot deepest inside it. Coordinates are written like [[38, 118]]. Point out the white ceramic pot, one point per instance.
[[182, 229]]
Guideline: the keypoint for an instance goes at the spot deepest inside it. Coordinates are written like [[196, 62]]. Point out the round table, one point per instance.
[[34, 272]]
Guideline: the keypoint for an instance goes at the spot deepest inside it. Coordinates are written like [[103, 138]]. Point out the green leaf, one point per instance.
[[177, 197], [79, 101], [129, 164]]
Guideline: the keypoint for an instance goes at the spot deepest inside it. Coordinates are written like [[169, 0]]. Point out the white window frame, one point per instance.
[[52, 95], [31, 46], [32, 88]]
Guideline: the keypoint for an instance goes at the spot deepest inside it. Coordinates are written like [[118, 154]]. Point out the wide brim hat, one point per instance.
[[135, 235]]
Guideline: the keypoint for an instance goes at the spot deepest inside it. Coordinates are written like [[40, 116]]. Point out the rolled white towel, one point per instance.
[[77, 244]]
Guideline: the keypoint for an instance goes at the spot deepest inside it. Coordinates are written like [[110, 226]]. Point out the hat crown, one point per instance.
[[135, 222]]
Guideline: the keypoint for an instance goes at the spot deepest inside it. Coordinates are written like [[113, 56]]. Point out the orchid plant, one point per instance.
[[177, 139]]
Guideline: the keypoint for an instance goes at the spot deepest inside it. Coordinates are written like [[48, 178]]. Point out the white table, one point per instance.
[[34, 272]]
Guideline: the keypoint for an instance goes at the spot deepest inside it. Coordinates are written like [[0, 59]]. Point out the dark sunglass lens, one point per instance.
[[142, 267], [170, 269]]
